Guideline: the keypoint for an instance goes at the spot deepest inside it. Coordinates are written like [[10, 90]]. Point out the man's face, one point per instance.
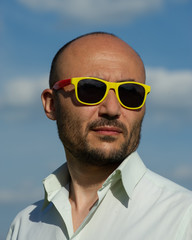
[[105, 133]]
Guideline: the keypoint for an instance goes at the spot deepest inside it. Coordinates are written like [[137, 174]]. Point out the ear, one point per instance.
[[48, 103]]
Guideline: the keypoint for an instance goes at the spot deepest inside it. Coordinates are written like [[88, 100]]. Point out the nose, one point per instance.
[[110, 107]]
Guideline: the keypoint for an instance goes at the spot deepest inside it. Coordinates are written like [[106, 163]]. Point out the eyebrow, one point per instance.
[[123, 80], [127, 80]]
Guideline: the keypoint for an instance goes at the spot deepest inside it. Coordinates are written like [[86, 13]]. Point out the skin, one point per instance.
[[107, 129]]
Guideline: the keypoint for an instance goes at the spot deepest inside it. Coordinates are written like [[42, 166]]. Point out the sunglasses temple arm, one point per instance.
[[61, 84]]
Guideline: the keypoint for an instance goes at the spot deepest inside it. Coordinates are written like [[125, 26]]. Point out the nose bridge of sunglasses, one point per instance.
[[112, 85]]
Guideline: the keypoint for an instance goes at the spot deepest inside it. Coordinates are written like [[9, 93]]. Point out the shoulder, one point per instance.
[[24, 219], [165, 184], [29, 211], [167, 192], [166, 203]]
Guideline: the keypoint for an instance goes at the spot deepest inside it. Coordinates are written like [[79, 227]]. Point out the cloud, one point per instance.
[[10, 196], [22, 91], [183, 172], [170, 96], [25, 191], [100, 11], [170, 88], [20, 97]]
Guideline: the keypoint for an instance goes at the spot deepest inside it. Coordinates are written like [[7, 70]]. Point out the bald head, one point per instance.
[[98, 55]]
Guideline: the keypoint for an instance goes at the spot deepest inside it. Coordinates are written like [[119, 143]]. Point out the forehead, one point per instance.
[[100, 56]]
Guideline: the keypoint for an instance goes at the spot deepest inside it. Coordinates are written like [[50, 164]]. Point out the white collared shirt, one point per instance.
[[133, 204]]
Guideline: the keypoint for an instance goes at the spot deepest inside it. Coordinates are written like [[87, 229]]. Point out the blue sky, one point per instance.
[[33, 30]]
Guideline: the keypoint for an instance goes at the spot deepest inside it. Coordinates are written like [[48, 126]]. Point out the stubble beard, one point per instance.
[[69, 131]]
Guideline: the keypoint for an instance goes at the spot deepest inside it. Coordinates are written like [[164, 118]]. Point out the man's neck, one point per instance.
[[86, 180]]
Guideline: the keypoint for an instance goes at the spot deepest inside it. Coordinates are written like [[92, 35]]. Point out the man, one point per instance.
[[97, 96]]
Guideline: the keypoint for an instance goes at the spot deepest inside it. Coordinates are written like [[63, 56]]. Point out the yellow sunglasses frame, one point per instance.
[[109, 85]]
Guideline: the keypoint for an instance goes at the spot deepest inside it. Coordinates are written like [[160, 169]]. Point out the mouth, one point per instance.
[[107, 130]]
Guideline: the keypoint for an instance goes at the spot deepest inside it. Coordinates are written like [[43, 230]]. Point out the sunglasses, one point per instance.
[[92, 91]]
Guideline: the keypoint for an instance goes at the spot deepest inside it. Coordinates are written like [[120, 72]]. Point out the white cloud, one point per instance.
[[20, 98], [100, 11], [26, 193], [170, 89], [170, 100], [183, 172], [23, 91], [170, 96]]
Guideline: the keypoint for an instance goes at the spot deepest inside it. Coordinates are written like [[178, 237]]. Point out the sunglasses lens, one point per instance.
[[131, 95], [90, 90]]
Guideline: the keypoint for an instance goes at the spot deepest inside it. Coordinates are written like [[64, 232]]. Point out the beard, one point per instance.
[[69, 130]]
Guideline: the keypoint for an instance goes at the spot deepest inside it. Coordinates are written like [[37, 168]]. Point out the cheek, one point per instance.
[[84, 115], [133, 117], [68, 103], [78, 116]]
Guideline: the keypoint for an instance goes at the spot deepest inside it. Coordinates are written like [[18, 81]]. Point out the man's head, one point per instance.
[[54, 76], [107, 132]]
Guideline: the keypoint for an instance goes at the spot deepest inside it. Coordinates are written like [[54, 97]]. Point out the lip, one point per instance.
[[107, 130]]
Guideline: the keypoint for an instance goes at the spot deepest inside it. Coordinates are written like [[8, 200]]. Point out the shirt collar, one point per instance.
[[130, 171], [53, 183]]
